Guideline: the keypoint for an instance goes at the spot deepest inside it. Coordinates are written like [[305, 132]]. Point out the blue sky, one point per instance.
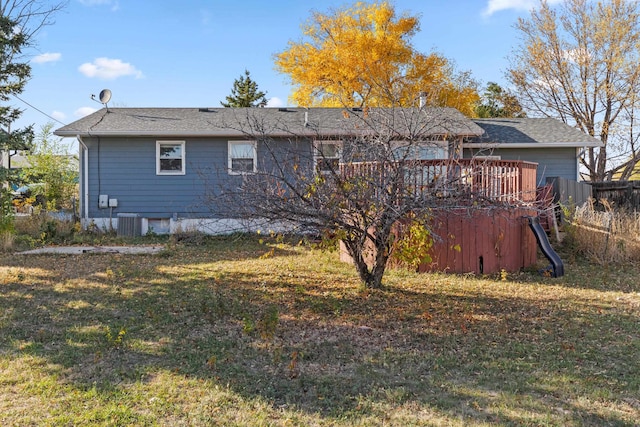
[[188, 53]]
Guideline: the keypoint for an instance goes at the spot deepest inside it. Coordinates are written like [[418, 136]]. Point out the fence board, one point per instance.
[[567, 192], [500, 236], [619, 194]]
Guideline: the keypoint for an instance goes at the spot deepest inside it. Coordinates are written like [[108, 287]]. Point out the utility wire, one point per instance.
[[39, 110]]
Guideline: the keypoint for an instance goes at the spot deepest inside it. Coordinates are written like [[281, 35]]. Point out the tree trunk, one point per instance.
[[371, 277]]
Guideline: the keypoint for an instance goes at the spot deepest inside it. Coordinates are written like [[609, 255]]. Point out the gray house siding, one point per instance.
[[125, 169], [122, 151], [552, 162]]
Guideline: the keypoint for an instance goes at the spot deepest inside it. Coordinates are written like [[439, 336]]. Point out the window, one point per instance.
[[170, 155], [242, 157], [421, 151], [487, 157], [327, 155]]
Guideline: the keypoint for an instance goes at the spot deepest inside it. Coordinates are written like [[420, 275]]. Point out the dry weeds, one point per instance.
[[605, 236]]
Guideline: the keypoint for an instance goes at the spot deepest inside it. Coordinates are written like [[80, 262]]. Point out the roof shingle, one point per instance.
[[167, 122], [531, 131]]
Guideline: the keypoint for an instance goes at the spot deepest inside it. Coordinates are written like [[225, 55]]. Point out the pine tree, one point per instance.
[[245, 93], [13, 77], [498, 102]]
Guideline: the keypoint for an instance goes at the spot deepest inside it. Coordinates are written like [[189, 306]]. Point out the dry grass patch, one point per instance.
[[234, 332], [605, 236]]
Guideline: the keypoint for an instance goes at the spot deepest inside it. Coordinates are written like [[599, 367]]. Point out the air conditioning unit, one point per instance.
[[129, 225]]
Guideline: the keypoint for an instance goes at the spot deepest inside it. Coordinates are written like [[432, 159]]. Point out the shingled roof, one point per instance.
[[530, 132], [237, 122]]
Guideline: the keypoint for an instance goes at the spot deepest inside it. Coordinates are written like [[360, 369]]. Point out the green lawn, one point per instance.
[[235, 332]]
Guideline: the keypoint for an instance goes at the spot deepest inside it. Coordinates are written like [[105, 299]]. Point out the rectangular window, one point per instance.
[[242, 157], [420, 150], [487, 157], [327, 155], [170, 157]]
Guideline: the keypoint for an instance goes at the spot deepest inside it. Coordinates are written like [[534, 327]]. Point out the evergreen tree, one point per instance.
[[245, 93], [497, 102], [13, 77]]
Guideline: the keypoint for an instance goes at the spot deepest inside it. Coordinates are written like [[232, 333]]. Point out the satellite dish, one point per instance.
[[105, 96]]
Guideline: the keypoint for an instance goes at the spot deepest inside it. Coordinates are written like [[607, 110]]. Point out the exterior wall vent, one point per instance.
[[129, 225]]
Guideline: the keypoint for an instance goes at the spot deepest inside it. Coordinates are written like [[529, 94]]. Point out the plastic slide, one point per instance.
[[545, 246]]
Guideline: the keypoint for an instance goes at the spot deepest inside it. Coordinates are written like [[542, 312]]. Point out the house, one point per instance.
[[553, 145], [13, 159], [155, 164]]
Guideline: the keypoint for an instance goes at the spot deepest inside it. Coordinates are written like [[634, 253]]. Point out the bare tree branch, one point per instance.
[[581, 64], [395, 165]]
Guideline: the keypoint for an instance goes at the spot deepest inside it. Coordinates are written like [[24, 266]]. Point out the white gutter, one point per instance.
[[85, 176], [594, 144]]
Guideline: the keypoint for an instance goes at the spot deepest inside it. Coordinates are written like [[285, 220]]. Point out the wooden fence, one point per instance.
[[618, 194], [482, 241], [478, 240], [568, 192]]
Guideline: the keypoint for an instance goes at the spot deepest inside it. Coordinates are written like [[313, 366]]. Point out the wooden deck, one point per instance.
[[482, 238], [501, 181]]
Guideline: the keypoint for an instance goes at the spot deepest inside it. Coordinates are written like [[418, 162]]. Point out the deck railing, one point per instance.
[[503, 181]]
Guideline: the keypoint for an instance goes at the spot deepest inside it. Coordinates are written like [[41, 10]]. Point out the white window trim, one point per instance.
[[254, 144], [182, 170], [317, 156]]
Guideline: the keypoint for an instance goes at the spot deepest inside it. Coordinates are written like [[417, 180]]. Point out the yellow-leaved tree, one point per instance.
[[362, 56]]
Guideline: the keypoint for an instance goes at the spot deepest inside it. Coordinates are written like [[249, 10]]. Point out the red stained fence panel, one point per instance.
[[482, 241]]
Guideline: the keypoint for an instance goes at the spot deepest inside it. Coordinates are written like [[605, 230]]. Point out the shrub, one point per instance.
[[413, 244], [6, 210], [45, 229]]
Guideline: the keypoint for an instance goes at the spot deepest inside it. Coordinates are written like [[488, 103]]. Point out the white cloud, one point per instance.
[[275, 102], [109, 69], [84, 111], [494, 6], [47, 57], [59, 115]]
